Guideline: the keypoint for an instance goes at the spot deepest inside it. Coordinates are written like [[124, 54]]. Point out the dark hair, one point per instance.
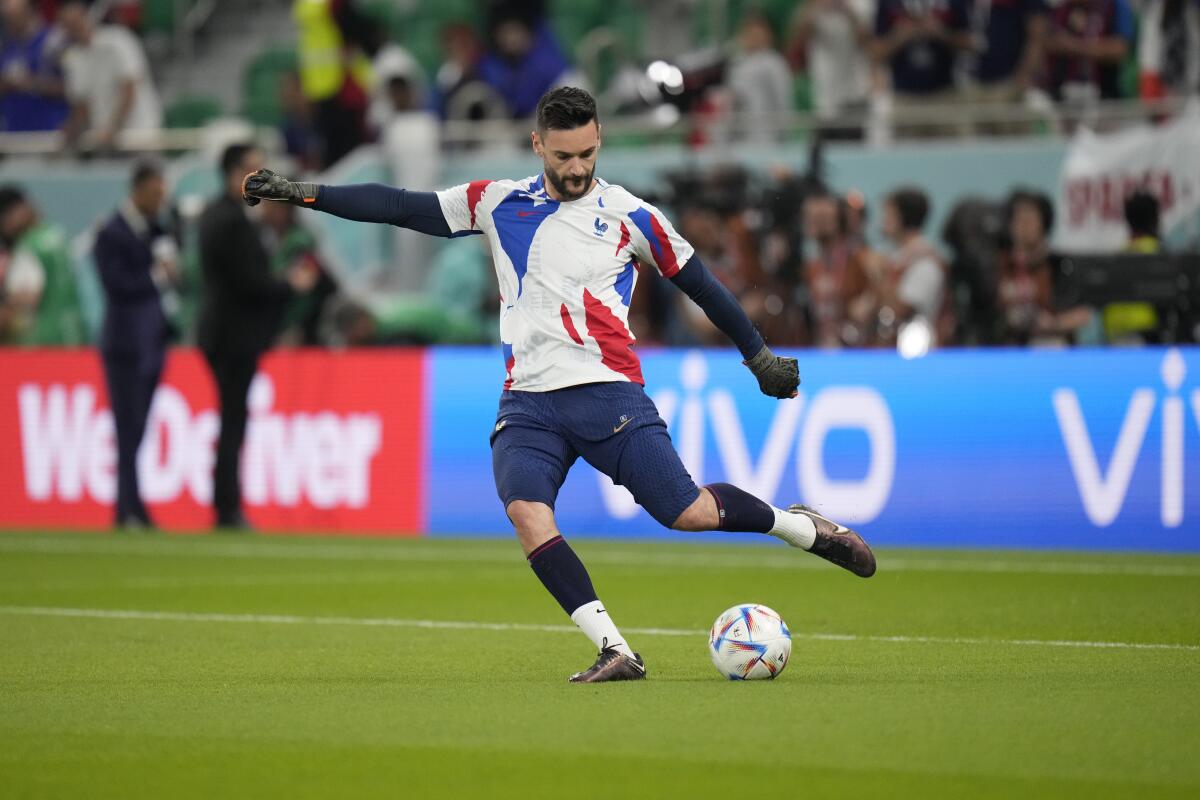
[[144, 169], [11, 196], [1141, 213], [912, 206], [234, 155], [1034, 198], [565, 109]]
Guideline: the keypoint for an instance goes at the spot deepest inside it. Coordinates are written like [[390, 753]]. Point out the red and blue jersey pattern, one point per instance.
[[566, 273]]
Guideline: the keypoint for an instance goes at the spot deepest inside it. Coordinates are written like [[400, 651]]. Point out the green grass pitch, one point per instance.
[[229, 666]]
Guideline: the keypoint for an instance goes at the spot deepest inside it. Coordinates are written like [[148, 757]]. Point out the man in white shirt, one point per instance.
[[107, 80], [834, 37]]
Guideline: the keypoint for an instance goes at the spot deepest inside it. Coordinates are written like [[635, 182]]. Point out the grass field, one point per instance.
[[149, 666]]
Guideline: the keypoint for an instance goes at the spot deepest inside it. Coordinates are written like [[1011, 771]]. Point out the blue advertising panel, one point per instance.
[[1096, 449]]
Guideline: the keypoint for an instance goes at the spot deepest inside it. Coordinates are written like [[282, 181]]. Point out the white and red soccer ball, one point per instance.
[[749, 642]]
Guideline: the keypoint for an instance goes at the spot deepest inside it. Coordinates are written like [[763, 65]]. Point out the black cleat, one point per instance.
[[838, 544], [612, 666]]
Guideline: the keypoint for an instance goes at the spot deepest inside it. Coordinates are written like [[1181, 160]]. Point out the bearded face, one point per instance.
[[569, 159]]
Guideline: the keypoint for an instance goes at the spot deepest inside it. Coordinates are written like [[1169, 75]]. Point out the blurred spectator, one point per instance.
[[663, 38], [300, 138], [240, 317], [461, 53], [107, 79], [760, 81], [334, 73], [724, 243], [1025, 287], [834, 272], [1024, 278], [1136, 322], [975, 230], [125, 12], [137, 257], [910, 284], [1088, 41], [411, 144], [857, 217], [1011, 34], [523, 58], [1142, 219], [1169, 48], [31, 83], [398, 85], [833, 37], [293, 248], [920, 41], [41, 299]]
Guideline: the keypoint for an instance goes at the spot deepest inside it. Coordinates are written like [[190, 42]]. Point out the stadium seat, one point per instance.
[[260, 85], [192, 111], [159, 16]]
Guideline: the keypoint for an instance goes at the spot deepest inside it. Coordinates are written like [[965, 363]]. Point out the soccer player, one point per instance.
[[566, 247]]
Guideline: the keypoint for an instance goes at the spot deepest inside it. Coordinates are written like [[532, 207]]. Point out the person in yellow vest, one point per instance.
[[1135, 322], [335, 73]]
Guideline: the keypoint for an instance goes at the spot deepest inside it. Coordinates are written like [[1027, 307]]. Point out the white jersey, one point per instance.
[[566, 272]]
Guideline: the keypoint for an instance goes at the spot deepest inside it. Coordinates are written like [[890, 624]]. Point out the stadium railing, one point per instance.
[[664, 123]]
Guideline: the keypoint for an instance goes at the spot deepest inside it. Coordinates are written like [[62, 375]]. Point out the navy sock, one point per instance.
[[563, 574], [741, 511]]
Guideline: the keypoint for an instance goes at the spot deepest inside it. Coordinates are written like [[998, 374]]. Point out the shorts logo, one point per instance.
[[625, 420], [500, 425], [601, 227]]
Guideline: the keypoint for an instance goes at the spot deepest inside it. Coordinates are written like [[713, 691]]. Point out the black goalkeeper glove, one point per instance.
[[268, 185], [777, 377]]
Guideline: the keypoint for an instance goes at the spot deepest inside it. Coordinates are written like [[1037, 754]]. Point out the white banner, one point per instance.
[[1101, 170]]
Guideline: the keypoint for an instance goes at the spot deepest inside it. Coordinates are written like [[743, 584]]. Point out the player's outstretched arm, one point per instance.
[[367, 202], [777, 376]]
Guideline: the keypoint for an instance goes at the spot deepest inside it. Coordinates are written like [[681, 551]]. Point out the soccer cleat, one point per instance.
[[612, 666], [838, 544]]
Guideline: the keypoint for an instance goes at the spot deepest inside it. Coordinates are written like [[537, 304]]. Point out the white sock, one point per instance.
[[593, 620], [795, 529]]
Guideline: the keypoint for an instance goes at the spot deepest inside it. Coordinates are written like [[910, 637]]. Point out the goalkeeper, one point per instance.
[[566, 247]]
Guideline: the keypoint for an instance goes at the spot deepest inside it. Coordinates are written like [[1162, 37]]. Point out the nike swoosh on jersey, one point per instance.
[[531, 213]]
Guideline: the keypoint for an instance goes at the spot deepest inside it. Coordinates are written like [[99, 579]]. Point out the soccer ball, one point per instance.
[[749, 642]]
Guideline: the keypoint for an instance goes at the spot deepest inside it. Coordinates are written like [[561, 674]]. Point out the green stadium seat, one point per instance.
[[260, 85], [192, 111], [159, 16]]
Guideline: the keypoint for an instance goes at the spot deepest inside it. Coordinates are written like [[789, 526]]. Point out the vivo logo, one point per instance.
[[799, 427], [1103, 490]]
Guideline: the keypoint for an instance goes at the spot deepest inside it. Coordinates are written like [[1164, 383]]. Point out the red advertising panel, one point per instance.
[[335, 442]]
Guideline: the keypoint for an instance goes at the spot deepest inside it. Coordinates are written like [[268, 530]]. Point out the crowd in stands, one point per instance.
[[907, 62], [75, 65], [798, 255], [800, 259], [63, 69]]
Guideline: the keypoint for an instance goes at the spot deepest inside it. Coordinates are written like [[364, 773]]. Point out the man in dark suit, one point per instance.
[[135, 256], [239, 317]]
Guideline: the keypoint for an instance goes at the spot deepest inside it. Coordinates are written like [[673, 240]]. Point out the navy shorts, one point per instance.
[[614, 426]]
